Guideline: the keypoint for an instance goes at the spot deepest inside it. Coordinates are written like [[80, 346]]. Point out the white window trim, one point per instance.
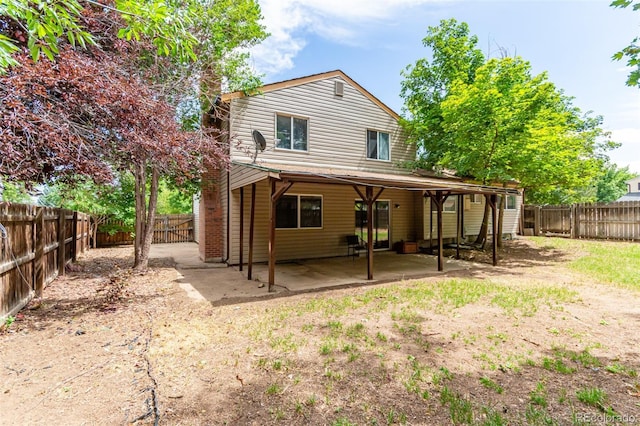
[[435, 211], [366, 145], [298, 212], [455, 205], [276, 140], [515, 203]]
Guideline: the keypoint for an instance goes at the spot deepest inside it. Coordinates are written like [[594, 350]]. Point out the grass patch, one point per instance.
[[273, 389], [608, 262], [538, 396], [460, 409], [594, 397], [617, 368], [493, 418], [538, 416], [490, 384], [557, 364]]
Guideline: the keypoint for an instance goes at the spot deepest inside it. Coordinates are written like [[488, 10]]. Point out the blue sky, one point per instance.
[[372, 41]]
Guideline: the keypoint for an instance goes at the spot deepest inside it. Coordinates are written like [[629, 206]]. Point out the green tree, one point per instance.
[[501, 124], [14, 192], [611, 183], [174, 199], [632, 52], [103, 202], [455, 57]]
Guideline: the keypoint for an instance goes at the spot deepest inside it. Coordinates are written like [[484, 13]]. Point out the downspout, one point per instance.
[[228, 218]]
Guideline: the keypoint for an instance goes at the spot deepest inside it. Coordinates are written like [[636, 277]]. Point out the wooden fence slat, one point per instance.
[[37, 244], [612, 221], [167, 229], [61, 241], [38, 275]]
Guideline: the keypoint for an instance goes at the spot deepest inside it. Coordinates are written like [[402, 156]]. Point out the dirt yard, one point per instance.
[[534, 341]]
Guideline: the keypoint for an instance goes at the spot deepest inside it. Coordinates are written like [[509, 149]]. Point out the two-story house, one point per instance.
[[633, 190], [316, 159]]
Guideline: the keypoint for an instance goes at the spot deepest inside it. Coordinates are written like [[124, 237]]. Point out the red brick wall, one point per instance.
[[211, 217]]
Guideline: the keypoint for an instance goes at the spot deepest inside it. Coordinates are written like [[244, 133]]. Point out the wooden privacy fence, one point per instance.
[[173, 228], [611, 221], [36, 245]]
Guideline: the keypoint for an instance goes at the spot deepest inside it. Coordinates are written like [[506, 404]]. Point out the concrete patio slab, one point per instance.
[[219, 283]]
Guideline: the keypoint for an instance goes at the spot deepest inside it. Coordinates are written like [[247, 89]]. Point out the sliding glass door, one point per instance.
[[381, 223]]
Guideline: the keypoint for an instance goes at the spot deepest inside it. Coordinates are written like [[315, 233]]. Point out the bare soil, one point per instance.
[[107, 346]]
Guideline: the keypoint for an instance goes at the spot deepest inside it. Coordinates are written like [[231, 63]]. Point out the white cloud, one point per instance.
[[341, 21]]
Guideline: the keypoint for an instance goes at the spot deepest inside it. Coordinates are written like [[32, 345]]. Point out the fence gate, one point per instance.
[[173, 228]]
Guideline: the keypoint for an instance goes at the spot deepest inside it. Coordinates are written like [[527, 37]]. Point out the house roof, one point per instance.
[[405, 181], [631, 196], [226, 97]]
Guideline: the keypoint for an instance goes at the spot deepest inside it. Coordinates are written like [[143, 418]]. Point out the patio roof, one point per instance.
[[406, 181], [437, 189]]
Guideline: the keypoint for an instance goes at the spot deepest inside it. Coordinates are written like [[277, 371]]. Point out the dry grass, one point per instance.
[[524, 345]]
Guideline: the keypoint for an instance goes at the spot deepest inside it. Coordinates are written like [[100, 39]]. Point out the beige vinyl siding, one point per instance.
[[338, 221], [449, 220], [243, 176], [511, 218], [473, 217], [337, 127], [473, 214], [633, 184]]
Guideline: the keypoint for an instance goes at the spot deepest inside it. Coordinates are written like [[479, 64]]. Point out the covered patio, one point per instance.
[[369, 187], [219, 284]]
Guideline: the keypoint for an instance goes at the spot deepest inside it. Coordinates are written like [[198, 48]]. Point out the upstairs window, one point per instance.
[[299, 211], [291, 132], [377, 145]]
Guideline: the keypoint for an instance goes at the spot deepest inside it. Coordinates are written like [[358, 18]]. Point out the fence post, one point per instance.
[[165, 224], [61, 238], [537, 212], [38, 261], [74, 237]]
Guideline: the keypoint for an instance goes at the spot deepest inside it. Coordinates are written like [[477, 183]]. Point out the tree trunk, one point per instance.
[[481, 239], [140, 179], [503, 200], [145, 220]]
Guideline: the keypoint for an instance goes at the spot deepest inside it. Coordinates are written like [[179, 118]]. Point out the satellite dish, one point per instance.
[[260, 142]]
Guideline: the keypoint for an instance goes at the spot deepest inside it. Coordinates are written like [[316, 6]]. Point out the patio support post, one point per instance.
[[438, 199], [426, 195], [273, 199], [439, 205], [369, 233], [493, 201], [241, 248], [370, 199], [459, 224], [252, 217], [272, 234]]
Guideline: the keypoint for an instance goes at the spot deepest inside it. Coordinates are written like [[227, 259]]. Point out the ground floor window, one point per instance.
[[299, 211], [381, 223], [511, 202]]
